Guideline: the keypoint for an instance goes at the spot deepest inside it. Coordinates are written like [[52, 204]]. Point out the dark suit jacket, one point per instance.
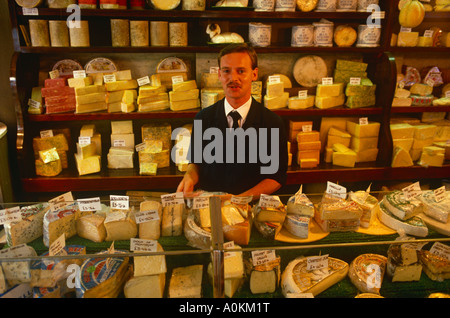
[[235, 178]]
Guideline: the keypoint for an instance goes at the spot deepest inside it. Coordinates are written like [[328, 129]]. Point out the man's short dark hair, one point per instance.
[[240, 48]]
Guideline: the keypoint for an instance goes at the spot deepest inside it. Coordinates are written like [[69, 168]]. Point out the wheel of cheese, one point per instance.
[[344, 35], [139, 33], [80, 36], [39, 33], [367, 271], [100, 65], [309, 70], [306, 5], [59, 33], [165, 4], [196, 236], [29, 3], [66, 67], [120, 32]]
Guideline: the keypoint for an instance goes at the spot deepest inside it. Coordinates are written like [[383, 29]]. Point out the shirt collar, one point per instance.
[[242, 110]]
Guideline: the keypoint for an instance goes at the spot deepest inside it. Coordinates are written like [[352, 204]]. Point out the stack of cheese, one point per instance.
[[156, 154], [50, 154], [121, 153], [328, 96], [400, 213], [337, 150], [436, 267], [184, 95], [58, 96], [336, 214], [347, 69], [309, 145], [424, 137], [421, 94], [403, 263], [368, 204], [88, 157], [149, 276], [275, 97], [211, 89], [89, 97], [364, 140], [299, 210], [171, 67], [182, 143], [402, 97], [360, 95], [402, 138], [154, 96], [257, 91], [115, 98]]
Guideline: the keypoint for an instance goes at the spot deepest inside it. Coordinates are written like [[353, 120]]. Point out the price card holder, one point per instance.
[[84, 140], [119, 143], [355, 80], [228, 246], [363, 121], [241, 200]]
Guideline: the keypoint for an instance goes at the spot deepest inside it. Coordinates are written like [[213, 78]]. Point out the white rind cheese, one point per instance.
[[303, 206], [437, 210], [401, 207], [297, 225], [367, 272], [413, 226]]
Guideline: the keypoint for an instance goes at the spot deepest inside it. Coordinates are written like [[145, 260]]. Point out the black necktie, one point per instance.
[[235, 115]]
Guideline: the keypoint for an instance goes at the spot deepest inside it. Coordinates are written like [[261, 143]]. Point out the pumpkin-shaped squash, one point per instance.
[[411, 14]]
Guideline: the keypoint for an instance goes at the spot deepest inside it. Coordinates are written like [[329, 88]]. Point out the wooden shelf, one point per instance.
[[419, 109]]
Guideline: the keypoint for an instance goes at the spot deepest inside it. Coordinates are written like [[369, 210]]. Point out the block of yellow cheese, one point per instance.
[[308, 154], [90, 98], [91, 89], [432, 156], [87, 130], [367, 155], [149, 90], [86, 150], [338, 135], [408, 39], [276, 102], [402, 130], [422, 132], [308, 136], [309, 145], [274, 89], [358, 144], [88, 165], [365, 130], [184, 86], [344, 159], [184, 104], [308, 163], [153, 106], [122, 140], [115, 96], [153, 98], [123, 75], [401, 158], [405, 143], [324, 102], [91, 107], [129, 96], [330, 90], [296, 102], [121, 85], [176, 96], [122, 127], [79, 82]]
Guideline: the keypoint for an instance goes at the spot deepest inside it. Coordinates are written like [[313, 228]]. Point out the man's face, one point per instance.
[[236, 75]]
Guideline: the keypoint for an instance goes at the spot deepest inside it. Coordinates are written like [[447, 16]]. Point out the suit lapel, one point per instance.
[[253, 116]]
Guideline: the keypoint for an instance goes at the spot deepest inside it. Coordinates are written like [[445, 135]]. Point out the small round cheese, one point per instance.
[[165, 4], [306, 5], [344, 35], [309, 70]]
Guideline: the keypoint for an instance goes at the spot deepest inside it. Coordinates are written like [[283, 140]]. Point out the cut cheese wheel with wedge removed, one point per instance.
[[309, 70]]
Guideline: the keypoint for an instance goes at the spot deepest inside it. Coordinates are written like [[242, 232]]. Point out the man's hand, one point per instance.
[[189, 180]]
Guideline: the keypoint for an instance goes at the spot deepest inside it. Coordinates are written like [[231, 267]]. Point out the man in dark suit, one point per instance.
[[260, 158]]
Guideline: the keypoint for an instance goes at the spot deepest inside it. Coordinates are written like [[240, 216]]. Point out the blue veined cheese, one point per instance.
[[297, 225], [437, 210], [186, 282], [47, 273], [99, 281], [58, 222], [413, 226], [17, 272], [401, 207], [303, 206], [296, 279], [29, 228], [172, 220]]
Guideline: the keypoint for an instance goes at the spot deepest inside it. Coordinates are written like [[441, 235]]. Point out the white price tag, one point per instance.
[[90, 204], [30, 11], [263, 257], [46, 133], [412, 190], [119, 143], [378, 14], [327, 81], [177, 79], [428, 33], [200, 203], [403, 29], [336, 190], [303, 94], [61, 201], [355, 80], [109, 78], [141, 146], [363, 121], [10, 215], [146, 216], [307, 128], [79, 74], [84, 140], [119, 202], [214, 70], [274, 79], [269, 201], [439, 194], [57, 247], [34, 104], [143, 245], [143, 81], [226, 246], [441, 250], [172, 199], [317, 262], [241, 200]]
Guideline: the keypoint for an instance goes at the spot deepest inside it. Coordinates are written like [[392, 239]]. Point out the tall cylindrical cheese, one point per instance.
[[80, 36], [260, 34], [159, 33], [178, 34], [197, 5], [139, 34], [58, 4], [59, 33], [120, 32], [39, 33]]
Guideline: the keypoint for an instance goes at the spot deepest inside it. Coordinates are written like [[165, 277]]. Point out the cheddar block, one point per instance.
[[309, 136], [91, 107], [402, 130], [405, 143], [127, 108], [184, 104], [58, 141], [123, 75], [274, 89], [276, 102], [423, 132], [90, 98], [368, 130], [328, 155], [331, 90], [88, 165], [308, 154], [427, 160], [86, 150], [358, 101], [401, 101], [186, 282], [121, 85], [120, 225], [308, 163], [301, 103], [55, 82], [122, 140], [176, 96], [325, 102], [401, 158], [344, 159], [211, 80], [367, 155], [150, 286], [332, 139], [122, 127], [184, 86], [420, 143], [408, 39], [149, 90], [115, 96], [91, 227], [87, 130], [79, 82], [129, 96], [153, 106], [351, 65], [153, 98], [309, 145], [50, 169], [358, 144], [57, 91]]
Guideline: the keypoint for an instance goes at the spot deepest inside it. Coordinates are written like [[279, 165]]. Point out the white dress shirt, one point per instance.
[[242, 110]]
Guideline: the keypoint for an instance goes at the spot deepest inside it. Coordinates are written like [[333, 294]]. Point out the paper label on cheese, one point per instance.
[[46, 133], [90, 204], [441, 250], [57, 247], [269, 201], [302, 94], [119, 143], [146, 216], [143, 245], [263, 257], [412, 190], [317, 262], [119, 202], [428, 33], [79, 74], [200, 202], [30, 11], [109, 78], [274, 79], [83, 140], [10, 215], [327, 81], [364, 121], [241, 200], [307, 128], [143, 81], [439, 194], [33, 104], [61, 201], [177, 79], [172, 199], [229, 245], [336, 190], [355, 80]]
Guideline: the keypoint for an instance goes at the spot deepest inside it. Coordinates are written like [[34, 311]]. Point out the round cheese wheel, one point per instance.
[[171, 64], [165, 4], [306, 5], [29, 3], [344, 35], [66, 67], [100, 65], [309, 70], [284, 79], [366, 272]]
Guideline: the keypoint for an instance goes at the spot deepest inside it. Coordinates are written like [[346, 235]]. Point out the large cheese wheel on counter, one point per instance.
[[309, 70]]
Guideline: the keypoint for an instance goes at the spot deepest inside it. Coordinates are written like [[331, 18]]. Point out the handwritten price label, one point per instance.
[[86, 205], [200, 203], [119, 202], [146, 216], [143, 245], [336, 190], [263, 257], [316, 262], [10, 215], [412, 191], [269, 201], [172, 199]]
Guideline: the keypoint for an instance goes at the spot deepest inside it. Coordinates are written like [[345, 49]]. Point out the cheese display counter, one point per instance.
[[344, 245]]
